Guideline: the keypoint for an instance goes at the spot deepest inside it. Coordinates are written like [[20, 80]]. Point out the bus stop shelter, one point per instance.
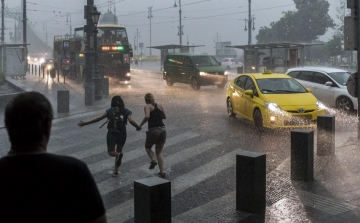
[[277, 57], [172, 48]]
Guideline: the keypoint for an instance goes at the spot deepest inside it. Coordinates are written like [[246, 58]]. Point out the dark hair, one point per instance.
[[117, 101], [27, 118]]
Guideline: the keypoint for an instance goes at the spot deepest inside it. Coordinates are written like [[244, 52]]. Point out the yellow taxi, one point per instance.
[[272, 101]]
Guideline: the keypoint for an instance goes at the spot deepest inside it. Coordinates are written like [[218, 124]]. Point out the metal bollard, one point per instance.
[[105, 86], [325, 135], [152, 200], [63, 101], [302, 155], [39, 70], [250, 181], [32, 68]]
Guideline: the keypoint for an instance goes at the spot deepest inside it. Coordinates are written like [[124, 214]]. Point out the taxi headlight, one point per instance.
[[202, 73], [320, 105], [272, 106]]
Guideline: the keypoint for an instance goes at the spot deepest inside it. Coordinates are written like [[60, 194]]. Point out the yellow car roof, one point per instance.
[[267, 74]]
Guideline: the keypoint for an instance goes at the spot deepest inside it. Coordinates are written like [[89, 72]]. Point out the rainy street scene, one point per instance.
[[183, 111]]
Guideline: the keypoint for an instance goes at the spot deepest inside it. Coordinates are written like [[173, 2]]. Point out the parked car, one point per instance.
[[231, 63], [194, 69], [327, 84], [272, 101]]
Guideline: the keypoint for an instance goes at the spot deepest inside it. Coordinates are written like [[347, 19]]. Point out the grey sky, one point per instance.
[[204, 21]]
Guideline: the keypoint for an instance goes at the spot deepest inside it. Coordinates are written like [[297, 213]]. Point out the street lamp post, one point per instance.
[[95, 15], [180, 26]]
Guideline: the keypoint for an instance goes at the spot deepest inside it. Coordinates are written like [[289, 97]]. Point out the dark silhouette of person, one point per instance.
[[37, 186]]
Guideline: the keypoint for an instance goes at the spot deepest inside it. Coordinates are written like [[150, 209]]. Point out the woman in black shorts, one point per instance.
[[156, 134], [115, 138]]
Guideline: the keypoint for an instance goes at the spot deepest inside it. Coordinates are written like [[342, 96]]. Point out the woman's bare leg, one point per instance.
[[160, 157]]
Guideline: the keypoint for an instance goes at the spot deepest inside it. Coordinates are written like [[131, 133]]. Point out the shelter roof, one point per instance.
[[274, 45], [173, 46]]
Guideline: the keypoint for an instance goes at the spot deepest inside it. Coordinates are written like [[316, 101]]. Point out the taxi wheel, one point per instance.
[[230, 108], [169, 82], [258, 120], [195, 84], [344, 104]]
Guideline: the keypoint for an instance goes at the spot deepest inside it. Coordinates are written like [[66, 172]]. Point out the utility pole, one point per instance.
[[2, 21], [249, 24], [149, 17], [180, 26]]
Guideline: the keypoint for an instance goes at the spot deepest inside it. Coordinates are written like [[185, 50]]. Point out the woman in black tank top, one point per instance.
[[156, 134]]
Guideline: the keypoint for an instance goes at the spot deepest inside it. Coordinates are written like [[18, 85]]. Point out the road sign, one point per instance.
[[141, 45]]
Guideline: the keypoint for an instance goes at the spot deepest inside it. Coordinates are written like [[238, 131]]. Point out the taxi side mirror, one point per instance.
[[249, 92], [309, 90]]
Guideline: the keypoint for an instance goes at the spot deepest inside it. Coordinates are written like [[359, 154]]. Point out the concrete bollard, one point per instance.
[[105, 86], [63, 101], [152, 200], [302, 155], [325, 135], [250, 181]]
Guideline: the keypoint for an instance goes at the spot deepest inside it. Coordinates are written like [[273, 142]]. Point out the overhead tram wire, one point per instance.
[[205, 17]]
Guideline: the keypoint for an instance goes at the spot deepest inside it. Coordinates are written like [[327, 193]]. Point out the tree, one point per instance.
[[309, 21]]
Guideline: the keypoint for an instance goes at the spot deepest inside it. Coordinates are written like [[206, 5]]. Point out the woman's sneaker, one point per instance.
[[152, 164], [162, 175]]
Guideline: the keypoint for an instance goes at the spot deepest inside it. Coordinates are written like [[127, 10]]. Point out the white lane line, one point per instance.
[[112, 184], [137, 152], [133, 136], [125, 211]]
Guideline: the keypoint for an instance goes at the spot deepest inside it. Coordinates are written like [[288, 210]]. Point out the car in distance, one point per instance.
[[49, 63], [272, 101], [230, 63], [194, 69], [327, 84]]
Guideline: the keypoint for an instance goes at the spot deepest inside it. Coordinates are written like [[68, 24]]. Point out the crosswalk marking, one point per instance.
[[137, 152], [126, 179], [132, 137], [125, 211]]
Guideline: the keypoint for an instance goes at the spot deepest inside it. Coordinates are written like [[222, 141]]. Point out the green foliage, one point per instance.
[[334, 45], [2, 77], [306, 24]]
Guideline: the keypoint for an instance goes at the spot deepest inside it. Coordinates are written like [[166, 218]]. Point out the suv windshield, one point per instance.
[[340, 77], [201, 61]]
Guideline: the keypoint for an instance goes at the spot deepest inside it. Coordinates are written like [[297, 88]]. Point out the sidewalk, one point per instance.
[[49, 87], [333, 196]]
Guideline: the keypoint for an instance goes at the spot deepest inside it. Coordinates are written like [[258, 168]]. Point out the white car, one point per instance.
[[230, 63], [327, 84]]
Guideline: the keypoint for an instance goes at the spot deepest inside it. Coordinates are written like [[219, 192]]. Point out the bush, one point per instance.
[[2, 77]]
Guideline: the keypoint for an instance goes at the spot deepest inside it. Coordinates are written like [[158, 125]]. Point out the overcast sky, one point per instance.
[[204, 21]]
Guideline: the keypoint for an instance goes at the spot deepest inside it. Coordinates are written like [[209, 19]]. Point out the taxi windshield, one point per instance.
[[280, 86]]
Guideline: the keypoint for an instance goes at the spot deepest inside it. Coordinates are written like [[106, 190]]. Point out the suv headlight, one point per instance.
[[202, 73], [226, 73], [272, 106]]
